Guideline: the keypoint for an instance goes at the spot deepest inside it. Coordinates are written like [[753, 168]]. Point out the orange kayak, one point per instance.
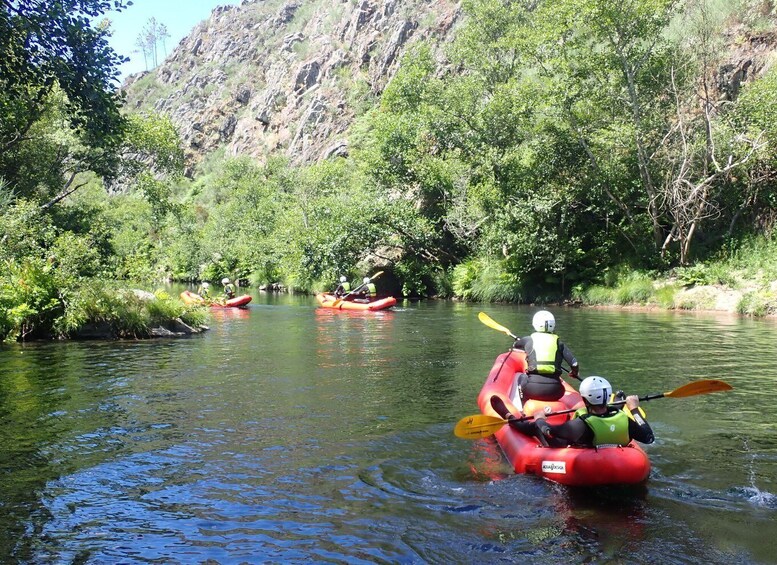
[[189, 297], [326, 300]]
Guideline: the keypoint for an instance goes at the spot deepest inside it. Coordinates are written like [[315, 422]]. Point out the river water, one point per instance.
[[289, 434]]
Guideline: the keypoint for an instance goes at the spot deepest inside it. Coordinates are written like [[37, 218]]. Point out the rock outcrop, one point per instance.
[[289, 76], [272, 77]]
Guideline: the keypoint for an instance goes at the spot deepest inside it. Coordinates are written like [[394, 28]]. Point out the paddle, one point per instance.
[[480, 425], [487, 320], [339, 300]]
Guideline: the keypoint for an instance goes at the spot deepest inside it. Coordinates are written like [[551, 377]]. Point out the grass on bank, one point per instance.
[[750, 269], [35, 305]]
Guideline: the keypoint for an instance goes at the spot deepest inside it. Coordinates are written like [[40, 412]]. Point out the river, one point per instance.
[[288, 434]]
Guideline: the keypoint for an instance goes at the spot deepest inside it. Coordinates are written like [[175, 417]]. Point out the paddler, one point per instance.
[[545, 353], [596, 424], [343, 288]]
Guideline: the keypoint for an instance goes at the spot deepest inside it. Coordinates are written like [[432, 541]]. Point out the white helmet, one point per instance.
[[366, 280], [225, 280], [343, 279], [543, 321], [595, 390], [206, 285]]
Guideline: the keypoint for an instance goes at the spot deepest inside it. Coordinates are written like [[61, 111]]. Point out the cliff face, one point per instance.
[[285, 76], [290, 76]]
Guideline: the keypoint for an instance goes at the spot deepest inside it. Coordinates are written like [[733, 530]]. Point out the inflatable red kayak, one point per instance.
[[331, 301], [189, 297], [574, 466]]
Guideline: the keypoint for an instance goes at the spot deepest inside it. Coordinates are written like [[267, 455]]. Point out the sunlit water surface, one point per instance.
[[288, 433]]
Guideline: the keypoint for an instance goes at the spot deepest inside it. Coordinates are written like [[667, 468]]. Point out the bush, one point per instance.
[[636, 290], [757, 303], [494, 284], [29, 301], [463, 278], [665, 295], [597, 295]]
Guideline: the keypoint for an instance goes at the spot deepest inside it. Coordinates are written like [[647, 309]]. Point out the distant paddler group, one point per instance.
[[227, 300], [363, 297]]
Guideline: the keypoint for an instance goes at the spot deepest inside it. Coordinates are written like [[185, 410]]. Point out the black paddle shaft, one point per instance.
[[613, 405]]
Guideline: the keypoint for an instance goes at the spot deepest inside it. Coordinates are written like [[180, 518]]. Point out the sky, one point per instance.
[[180, 17]]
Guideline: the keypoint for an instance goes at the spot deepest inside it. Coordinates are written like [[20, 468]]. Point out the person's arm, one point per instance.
[[639, 429], [570, 358], [521, 342]]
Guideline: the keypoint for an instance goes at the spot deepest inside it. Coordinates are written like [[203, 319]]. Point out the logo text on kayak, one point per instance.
[[554, 467]]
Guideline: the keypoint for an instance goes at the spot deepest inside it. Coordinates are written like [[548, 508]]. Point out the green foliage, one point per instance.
[[756, 109], [758, 303], [51, 47], [636, 290], [151, 143], [626, 286], [487, 281], [464, 276], [665, 295], [595, 295], [536, 159], [693, 275], [29, 302], [415, 275]]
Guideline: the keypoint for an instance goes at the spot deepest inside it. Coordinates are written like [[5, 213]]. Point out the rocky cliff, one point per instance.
[[285, 76]]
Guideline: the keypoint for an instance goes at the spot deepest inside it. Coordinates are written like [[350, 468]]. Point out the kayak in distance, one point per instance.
[[326, 300], [189, 297]]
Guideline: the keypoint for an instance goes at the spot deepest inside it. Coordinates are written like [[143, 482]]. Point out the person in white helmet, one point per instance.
[[366, 291], [229, 288], [343, 288], [597, 423], [204, 290], [545, 353]]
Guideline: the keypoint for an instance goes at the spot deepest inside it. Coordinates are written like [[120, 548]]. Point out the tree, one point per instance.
[[163, 34], [152, 35], [704, 149], [59, 106], [48, 44]]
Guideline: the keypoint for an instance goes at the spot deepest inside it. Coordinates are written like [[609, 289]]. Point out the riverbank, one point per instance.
[[748, 298], [95, 309]]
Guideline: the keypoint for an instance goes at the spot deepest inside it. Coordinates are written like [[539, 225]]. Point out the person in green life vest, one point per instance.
[[366, 292], [204, 291], [545, 353], [229, 288], [343, 288], [593, 425]]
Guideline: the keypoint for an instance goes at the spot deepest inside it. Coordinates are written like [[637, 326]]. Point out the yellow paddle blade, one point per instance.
[[477, 426], [699, 387], [376, 275], [487, 320]]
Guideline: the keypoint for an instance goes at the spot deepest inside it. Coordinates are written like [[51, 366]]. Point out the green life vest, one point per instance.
[[545, 348], [371, 290], [608, 430], [346, 286]]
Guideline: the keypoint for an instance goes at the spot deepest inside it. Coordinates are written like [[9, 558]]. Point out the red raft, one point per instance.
[[574, 466], [189, 297], [331, 301]]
